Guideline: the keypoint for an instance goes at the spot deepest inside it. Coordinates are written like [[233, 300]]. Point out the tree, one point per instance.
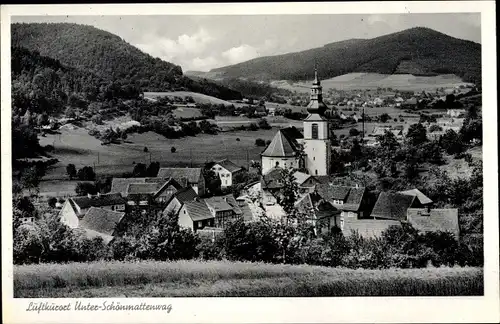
[[140, 170], [384, 117], [70, 113], [153, 169], [353, 132], [145, 149], [30, 179], [451, 142], [263, 124], [86, 173], [435, 128], [124, 135], [417, 134], [71, 171], [260, 142], [97, 119], [52, 202], [173, 149], [85, 188]]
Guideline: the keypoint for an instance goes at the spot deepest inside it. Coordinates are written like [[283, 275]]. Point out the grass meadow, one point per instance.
[[236, 279]]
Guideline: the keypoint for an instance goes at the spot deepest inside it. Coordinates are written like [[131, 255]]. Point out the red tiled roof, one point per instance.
[[392, 206], [354, 199], [273, 179], [119, 185], [314, 205], [186, 194], [101, 220]]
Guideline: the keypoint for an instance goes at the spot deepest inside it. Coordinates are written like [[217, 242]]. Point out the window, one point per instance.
[[184, 211], [341, 224], [316, 171], [314, 158], [277, 163], [314, 131]]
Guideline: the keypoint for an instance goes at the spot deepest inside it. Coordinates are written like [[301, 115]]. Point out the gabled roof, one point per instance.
[[119, 185], [233, 203], [315, 117], [301, 177], [186, 194], [228, 165], [197, 210], [193, 175], [273, 179], [142, 188], [314, 205], [392, 206], [280, 146], [368, 228], [168, 183], [444, 220], [354, 199], [332, 192], [423, 199], [218, 203], [101, 220], [102, 200]]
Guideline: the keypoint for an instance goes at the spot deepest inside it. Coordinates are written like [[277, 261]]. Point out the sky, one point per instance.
[[201, 43]]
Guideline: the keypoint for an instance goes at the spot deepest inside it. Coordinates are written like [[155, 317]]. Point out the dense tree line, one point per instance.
[[418, 51], [109, 57]]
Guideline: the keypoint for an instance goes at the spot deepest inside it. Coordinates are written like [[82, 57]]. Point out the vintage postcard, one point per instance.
[[248, 163]]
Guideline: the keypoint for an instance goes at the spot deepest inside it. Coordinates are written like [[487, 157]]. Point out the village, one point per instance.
[[183, 191]]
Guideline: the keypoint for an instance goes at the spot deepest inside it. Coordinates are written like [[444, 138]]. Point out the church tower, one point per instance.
[[316, 134]]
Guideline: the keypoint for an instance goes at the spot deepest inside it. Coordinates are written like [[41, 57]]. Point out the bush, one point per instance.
[[86, 173], [146, 150], [52, 202], [237, 139], [260, 142], [173, 149], [354, 132]]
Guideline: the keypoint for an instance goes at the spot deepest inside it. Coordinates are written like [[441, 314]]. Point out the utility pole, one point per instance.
[[98, 157], [149, 157], [191, 156]]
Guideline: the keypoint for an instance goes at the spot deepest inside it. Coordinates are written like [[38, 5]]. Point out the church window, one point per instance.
[[277, 163], [314, 158], [316, 171], [314, 131]]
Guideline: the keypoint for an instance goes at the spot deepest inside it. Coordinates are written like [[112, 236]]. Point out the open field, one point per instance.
[[225, 279], [77, 147], [187, 112], [198, 97], [365, 81]]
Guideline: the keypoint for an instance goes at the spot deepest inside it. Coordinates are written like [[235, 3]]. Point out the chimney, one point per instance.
[[89, 195], [428, 209], [98, 194]]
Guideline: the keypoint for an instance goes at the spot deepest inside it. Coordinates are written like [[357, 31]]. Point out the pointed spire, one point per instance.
[[316, 80]]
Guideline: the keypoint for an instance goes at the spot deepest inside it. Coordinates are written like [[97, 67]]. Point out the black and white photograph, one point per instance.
[[246, 155]]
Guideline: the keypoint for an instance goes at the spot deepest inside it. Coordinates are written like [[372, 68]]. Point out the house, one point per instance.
[[306, 182], [101, 222], [215, 212], [318, 212], [226, 170], [368, 228], [75, 208], [194, 214], [393, 206], [260, 111], [175, 203], [224, 209], [350, 200], [426, 219], [185, 177], [144, 193], [421, 199], [120, 185]]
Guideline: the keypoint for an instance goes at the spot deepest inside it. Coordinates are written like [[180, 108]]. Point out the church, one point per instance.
[[309, 151]]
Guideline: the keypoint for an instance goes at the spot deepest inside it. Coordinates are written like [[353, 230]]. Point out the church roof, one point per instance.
[[315, 117], [280, 146]]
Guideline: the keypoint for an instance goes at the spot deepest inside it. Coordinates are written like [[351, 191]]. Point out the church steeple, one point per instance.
[[316, 105]]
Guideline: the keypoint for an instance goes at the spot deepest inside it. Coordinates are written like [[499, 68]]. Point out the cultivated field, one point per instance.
[[77, 147], [198, 97], [365, 81], [226, 279]]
